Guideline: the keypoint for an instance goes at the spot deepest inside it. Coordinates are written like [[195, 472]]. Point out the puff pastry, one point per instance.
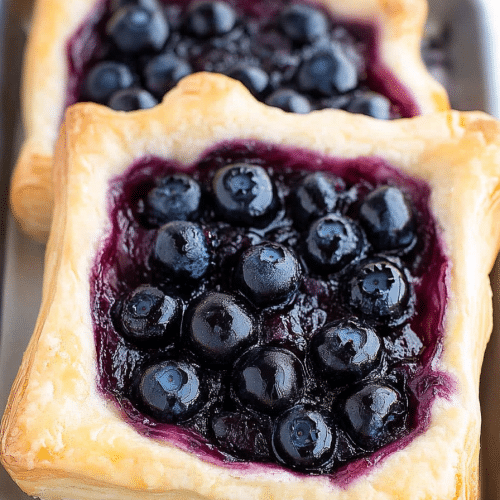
[[44, 94], [61, 438]]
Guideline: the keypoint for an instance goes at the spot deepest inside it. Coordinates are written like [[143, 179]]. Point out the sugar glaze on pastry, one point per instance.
[[61, 438], [63, 43]]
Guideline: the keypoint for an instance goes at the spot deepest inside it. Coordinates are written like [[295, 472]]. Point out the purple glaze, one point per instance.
[[87, 46], [122, 264]]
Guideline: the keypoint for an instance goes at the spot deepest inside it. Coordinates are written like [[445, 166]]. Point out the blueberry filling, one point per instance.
[[387, 217], [244, 307], [133, 29], [171, 391], [218, 327], [131, 100], [210, 19], [318, 194], [244, 194], [291, 55], [105, 79], [148, 316], [163, 72], [181, 250], [241, 434], [268, 274], [303, 439], [268, 379], [379, 290], [175, 197], [374, 415], [303, 23], [333, 242], [345, 351]]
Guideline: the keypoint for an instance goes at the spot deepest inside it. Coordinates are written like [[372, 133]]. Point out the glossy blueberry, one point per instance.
[[371, 104], [181, 249], [163, 72], [218, 328], [303, 23], [327, 72], [135, 29], [254, 78], [268, 274], [175, 197], [210, 18], [318, 194], [171, 391], [303, 439], [268, 379], [375, 415], [333, 242], [344, 351], [242, 435], [388, 219], [244, 194], [105, 78], [132, 99], [289, 100], [379, 290], [149, 317]]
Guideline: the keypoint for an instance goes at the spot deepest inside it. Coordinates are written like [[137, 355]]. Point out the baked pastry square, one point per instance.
[[362, 46], [404, 214]]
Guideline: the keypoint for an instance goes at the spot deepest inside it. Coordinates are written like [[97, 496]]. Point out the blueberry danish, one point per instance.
[[251, 304]]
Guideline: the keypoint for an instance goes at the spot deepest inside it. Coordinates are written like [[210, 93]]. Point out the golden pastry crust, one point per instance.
[[400, 24], [59, 436]]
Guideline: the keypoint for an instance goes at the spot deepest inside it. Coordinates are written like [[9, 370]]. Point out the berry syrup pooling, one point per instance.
[[269, 306], [289, 54]]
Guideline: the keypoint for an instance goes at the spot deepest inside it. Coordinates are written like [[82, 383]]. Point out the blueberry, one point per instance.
[[254, 78], [135, 29], [371, 104], [289, 100], [388, 219], [104, 79], [327, 72], [303, 439], [318, 194], [268, 274], [131, 100], [175, 197], [218, 328], [244, 194], [303, 24], [163, 72], [333, 242], [375, 415], [344, 351], [268, 379], [151, 5], [379, 290], [149, 317], [241, 435], [171, 391], [210, 18], [337, 102], [181, 248]]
